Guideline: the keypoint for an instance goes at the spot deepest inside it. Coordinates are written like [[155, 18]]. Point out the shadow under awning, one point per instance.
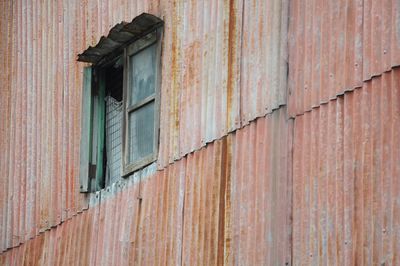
[[119, 37]]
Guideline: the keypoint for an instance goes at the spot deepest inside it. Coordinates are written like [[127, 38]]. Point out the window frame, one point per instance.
[[152, 38]]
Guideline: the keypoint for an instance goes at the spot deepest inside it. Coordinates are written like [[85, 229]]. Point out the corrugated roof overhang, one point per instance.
[[120, 36]]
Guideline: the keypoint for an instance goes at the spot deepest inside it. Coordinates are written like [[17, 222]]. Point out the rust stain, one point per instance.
[[232, 53], [224, 203], [192, 53], [175, 54]]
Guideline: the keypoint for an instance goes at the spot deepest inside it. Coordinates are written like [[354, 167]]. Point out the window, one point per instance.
[[120, 104], [141, 101]]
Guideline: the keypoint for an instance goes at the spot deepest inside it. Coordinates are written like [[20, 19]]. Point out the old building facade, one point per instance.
[[277, 134]]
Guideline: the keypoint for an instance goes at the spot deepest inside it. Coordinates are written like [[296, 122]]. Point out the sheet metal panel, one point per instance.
[[381, 37], [263, 58], [159, 227], [238, 196], [210, 208], [218, 82], [203, 230], [197, 106], [336, 45], [5, 108], [345, 178], [261, 193], [68, 244], [325, 51]]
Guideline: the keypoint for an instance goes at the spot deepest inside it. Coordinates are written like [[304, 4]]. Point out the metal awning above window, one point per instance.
[[120, 36]]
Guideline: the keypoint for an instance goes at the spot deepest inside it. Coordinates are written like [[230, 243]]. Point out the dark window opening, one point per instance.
[[114, 80], [107, 124], [113, 124]]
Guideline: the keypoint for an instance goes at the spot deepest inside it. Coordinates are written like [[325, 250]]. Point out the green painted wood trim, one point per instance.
[[85, 143], [101, 132]]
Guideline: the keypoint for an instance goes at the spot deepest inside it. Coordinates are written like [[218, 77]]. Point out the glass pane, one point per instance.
[[141, 132], [142, 74]]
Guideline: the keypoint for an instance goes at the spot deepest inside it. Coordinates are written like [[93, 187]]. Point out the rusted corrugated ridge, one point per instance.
[[346, 178], [69, 244], [5, 105], [263, 56], [203, 209], [260, 193], [336, 45]]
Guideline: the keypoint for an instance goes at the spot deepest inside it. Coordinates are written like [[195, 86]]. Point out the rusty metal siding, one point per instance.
[[203, 230], [201, 90], [346, 168], [217, 83], [211, 207], [158, 236], [336, 45], [381, 37], [41, 90], [65, 245], [325, 51], [195, 88], [42, 131], [5, 92], [261, 193], [263, 57]]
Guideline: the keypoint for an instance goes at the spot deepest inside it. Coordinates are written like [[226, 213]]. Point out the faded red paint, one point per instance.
[[42, 91], [219, 95], [346, 187], [223, 192], [201, 209], [325, 50], [336, 45]]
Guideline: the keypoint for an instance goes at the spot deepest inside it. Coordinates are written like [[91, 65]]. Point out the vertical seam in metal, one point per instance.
[[222, 202], [291, 188], [362, 48], [241, 67], [97, 228], [183, 212], [139, 198]]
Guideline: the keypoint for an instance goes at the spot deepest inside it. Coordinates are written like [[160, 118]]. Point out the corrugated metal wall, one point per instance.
[[346, 171], [5, 80], [201, 210], [40, 158], [223, 192], [325, 51], [344, 94], [201, 90], [216, 78], [336, 45]]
